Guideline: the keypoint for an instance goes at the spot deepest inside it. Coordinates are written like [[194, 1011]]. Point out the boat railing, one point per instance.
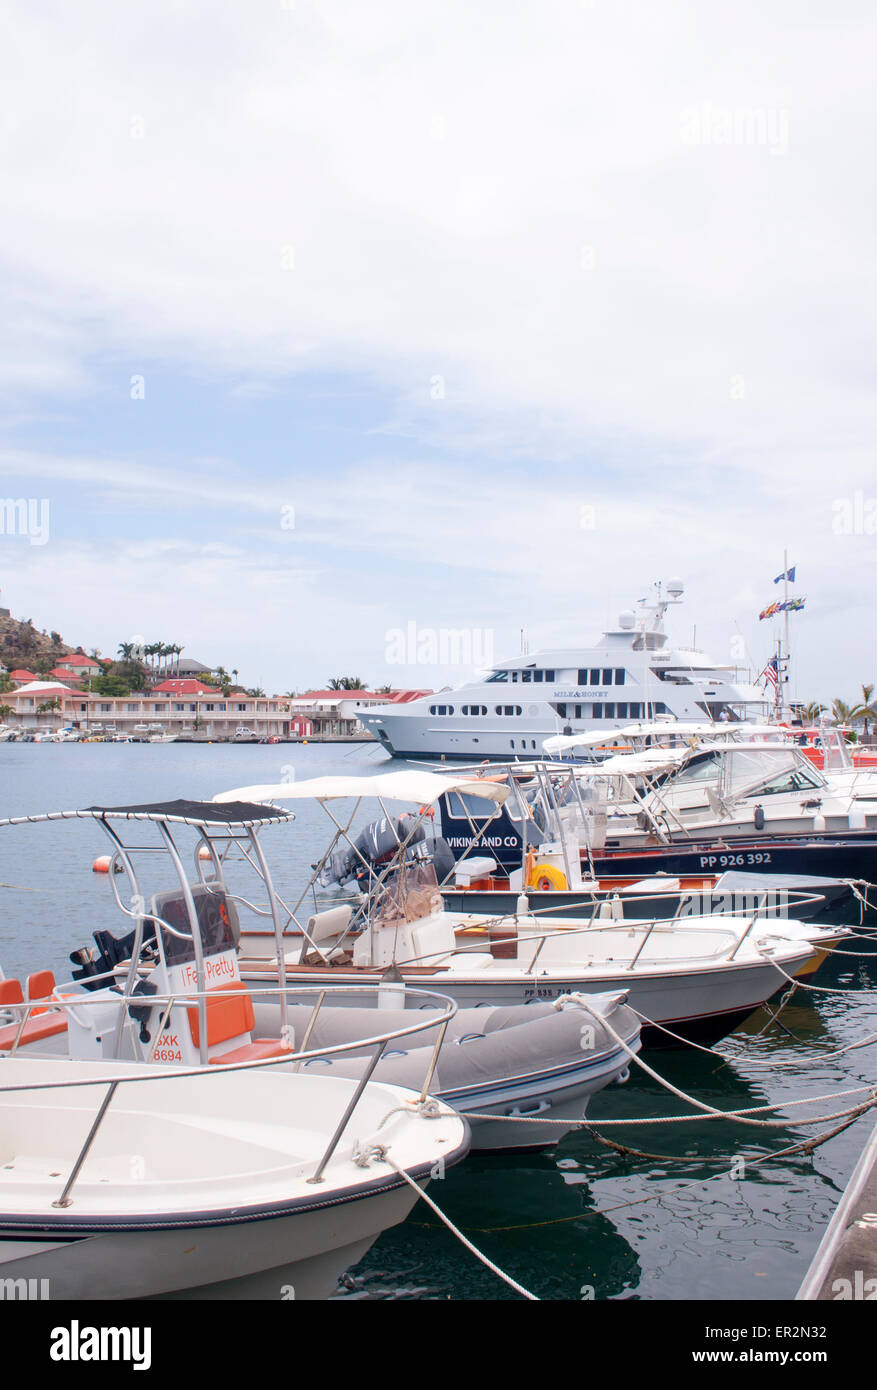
[[441, 1010], [596, 925]]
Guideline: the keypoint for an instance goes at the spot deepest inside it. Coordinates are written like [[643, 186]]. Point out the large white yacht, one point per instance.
[[630, 674]]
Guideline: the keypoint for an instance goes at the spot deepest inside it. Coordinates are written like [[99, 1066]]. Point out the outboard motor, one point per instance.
[[442, 857]]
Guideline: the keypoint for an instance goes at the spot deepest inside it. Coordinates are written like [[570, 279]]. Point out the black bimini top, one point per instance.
[[197, 812], [180, 812]]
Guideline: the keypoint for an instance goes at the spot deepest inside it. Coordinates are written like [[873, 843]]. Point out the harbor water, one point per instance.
[[696, 1218]]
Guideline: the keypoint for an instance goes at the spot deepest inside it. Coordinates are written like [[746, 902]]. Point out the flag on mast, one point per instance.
[[787, 574], [771, 672]]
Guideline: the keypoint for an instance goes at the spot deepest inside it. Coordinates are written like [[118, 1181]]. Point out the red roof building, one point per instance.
[[82, 665], [183, 687], [22, 677]]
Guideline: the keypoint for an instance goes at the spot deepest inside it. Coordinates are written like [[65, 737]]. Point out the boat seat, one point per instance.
[[230, 1015], [40, 986], [35, 1030], [325, 927], [47, 1025]]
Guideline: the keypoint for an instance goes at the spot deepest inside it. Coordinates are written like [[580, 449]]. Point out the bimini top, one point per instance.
[[197, 813], [423, 787], [651, 761], [678, 728]]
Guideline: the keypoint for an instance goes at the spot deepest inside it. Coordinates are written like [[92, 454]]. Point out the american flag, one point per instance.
[[771, 672]]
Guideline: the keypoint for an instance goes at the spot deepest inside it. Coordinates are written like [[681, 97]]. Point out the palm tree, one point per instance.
[[126, 650], [840, 712], [812, 712], [5, 711], [346, 683], [47, 706], [149, 652], [865, 711]]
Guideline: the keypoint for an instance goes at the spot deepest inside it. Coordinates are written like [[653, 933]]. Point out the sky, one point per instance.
[[322, 320]]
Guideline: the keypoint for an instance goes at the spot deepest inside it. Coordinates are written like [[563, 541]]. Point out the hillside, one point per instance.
[[23, 645]]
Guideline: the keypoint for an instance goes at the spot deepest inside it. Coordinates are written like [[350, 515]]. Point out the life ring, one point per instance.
[[545, 877], [427, 811]]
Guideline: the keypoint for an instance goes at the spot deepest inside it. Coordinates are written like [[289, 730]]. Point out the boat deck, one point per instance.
[[845, 1265]]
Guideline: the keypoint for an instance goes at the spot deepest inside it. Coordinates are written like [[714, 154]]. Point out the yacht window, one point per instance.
[[498, 676], [432, 709], [538, 675], [526, 676], [518, 709], [610, 710], [514, 675], [561, 710], [621, 711], [549, 675], [596, 711], [578, 712], [583, 678], [607, 676], [595, 678]]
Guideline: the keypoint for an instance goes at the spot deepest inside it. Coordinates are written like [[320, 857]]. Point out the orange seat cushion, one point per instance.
[[46, 1026], [229, 1013], [10, 992]]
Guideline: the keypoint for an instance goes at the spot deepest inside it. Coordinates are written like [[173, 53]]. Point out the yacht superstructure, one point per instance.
[[631, 673]]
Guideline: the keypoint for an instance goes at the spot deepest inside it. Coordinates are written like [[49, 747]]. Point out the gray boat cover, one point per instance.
[[482, 1046]]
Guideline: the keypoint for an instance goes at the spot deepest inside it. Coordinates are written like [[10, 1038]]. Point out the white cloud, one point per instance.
[[675, 332]]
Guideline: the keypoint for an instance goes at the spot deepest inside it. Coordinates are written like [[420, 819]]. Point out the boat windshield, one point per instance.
[[777, 770], [407, 894]]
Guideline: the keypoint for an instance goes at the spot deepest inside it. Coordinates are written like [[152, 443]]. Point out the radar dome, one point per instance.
[[627, 619], [675, 587]]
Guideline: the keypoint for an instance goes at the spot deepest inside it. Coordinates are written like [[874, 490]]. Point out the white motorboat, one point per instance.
[[725, 787], [699, 978], [120, 1183], [110, 1188], [630, 673]]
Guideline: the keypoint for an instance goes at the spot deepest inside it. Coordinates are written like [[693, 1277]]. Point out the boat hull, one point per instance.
[[280, 1257]]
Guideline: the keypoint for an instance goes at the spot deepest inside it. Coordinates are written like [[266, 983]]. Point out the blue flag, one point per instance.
[[788, 574]]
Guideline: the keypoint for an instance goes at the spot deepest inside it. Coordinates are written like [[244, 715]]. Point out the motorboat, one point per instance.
[[557, 839], [145, 1123], [630, 673], [123, 1183], [706, 806], [699, 977]]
